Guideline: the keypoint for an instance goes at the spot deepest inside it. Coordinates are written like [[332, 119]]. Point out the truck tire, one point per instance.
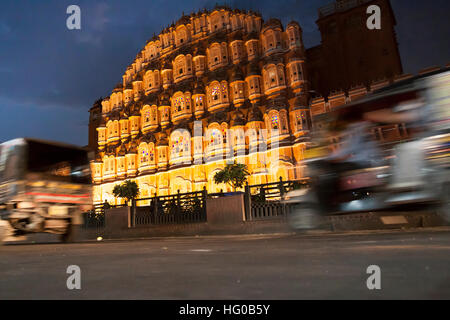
[[68, 236]]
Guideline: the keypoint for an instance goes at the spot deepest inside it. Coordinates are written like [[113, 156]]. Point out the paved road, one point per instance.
[[413, 265]]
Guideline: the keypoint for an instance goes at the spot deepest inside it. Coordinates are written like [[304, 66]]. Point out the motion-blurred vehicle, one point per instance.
[[44, 187], [414, 173]]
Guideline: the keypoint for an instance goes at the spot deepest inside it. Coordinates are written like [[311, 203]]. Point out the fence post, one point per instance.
[[178, 212], [205, 197], [247, 203], [133, 213], [155, 209], [281, 187]]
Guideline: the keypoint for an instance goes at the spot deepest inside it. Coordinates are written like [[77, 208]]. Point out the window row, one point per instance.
[[276, 122], [270, 40], [274, 78]]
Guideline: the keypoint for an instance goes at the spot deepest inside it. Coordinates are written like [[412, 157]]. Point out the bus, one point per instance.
[[44, 188]]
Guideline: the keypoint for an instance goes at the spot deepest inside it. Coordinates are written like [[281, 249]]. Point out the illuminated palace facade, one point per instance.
[[214, 85]]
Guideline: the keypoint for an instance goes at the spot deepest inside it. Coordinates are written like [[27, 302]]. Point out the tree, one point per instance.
[[128, 190], [233, 174]]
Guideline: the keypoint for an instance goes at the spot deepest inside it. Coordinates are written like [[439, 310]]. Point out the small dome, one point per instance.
[[98, 158], [251, 36], [183, 20], [218, 117], [164, 100], [236, 74], [237, 36], [118, 87], [122, 151], [294, 55], [238, 119], [272, 23], [253, 69], [115, 115], [102, 123], [135, 112], [132, 149], [166, 65], [293, 23], [255, 114], [123, 116], [162, 142], [299, 103], [148, 138], [199, 88]]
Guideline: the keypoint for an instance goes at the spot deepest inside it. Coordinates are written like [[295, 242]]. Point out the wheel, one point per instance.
[[68, 236], [304, 216]]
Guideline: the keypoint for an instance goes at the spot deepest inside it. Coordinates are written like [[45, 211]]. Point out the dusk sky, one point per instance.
[[50, 76]]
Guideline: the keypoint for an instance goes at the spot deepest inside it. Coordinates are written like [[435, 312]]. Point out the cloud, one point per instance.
[[94, 22], [5, 29]]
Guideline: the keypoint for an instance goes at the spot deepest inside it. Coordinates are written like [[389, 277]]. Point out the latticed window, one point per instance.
[[144, 155], [215, 92], [275, 121]]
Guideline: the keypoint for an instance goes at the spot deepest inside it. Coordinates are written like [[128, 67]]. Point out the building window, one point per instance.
[[274, 121]]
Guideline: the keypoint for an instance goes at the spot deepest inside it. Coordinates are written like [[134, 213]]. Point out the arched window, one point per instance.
[[181, 105], [236, 22], [179, 66], [294, 38], [148, 80], [154, 114], [144, 156], [237, 88], [181, 36], [119, 101], [301, 120], [215, 136], [216, 21], [295, 71], [277, 121], [217, 94], [151, 152], [105, 106], [271, 40], [146, 117], [252, 48], [273, 77], [109, 130], [116, 128], [237, 51], [274, 118], [152, 51], [217, 55], [180, 144], [199, 102], [250, 25]]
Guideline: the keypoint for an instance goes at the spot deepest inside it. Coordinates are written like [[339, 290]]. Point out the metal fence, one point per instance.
[[95, 218], [261, 202], [171, 209], [264, 201]]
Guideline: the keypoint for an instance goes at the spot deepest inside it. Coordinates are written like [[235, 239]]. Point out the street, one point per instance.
[[414, 265]]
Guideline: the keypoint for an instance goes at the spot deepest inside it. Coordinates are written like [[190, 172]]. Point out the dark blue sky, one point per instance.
[[50, 76]]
